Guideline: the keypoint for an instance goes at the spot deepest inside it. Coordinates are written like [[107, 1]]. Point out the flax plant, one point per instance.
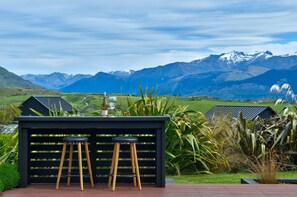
[[251, 135], [56, 111], [9, 150], [149, 104], [189, 141]]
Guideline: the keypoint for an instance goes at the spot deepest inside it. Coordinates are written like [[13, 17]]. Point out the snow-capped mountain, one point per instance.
[[122, 73], [228, 75], [54, 81], [236, 57]]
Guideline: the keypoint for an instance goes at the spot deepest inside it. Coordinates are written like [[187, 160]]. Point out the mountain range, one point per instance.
[[54, 81], [233, 75], [9, 79]]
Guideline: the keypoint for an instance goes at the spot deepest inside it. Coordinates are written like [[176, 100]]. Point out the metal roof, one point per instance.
[[248, 112], [51, 101]]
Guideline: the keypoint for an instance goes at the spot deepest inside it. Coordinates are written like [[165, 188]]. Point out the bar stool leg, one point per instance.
[[70, 164], [61, 165], [137, 167], [80, 166], [115, 165], [89, 164], [112, 166], [133, 164]]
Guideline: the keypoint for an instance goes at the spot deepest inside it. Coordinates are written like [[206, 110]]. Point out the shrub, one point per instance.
[[9, 147], [9, 175], [251, 135], [1, 186], [227, 136], [9, 143], [149, 104], [266, 168], [8, 113], [190, 145]]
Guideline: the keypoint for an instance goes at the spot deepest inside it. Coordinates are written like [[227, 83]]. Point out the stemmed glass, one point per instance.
[[112, 102]]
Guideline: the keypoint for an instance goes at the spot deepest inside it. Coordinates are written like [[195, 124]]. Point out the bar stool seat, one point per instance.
[[75, 139], [115, 159], [79, 140], [124, 139]]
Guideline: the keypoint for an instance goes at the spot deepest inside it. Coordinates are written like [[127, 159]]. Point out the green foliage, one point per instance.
[[204, 105], [149, 104], [1, 186], [14, 80], [284, 128], [250, 137], [7, 115], [189, 142], [88, 102], [253, 139], [226, 134], [9, 143], [8, 147], [275, 136], [9, 176], [56, 111]]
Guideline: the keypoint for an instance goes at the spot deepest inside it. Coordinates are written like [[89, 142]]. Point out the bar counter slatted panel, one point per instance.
[[41, 139], [46, 147]]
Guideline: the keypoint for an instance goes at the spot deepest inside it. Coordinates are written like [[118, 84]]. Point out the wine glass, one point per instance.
[[112, 102]]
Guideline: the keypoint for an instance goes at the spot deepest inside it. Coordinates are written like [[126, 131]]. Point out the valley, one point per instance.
[[87, 103]]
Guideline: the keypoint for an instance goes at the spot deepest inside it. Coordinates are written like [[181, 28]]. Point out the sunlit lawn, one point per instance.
[[205, 105], [87, 103], [223, 178]]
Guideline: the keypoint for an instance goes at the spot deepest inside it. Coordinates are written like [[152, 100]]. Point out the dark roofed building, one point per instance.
[[45, 104], [248, 112]]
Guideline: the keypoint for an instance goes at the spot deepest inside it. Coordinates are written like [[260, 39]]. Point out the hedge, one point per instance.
[[9, 176]]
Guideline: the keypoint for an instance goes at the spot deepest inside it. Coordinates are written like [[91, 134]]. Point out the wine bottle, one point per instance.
[[104, 106]]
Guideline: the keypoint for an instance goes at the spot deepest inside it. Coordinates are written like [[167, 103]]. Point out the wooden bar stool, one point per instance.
[[115, 160], [79, 141]]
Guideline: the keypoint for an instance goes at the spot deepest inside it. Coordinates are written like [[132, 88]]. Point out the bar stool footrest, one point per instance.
[[74, 175]]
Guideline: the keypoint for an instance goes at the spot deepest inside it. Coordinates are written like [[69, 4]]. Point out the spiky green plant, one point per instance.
[[189, 142], [277, 135], [250, 136], [9, 148], [149, 104], [56, 111], [7, 114]]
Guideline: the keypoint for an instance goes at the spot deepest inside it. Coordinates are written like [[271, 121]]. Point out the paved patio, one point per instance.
[[171, 190]]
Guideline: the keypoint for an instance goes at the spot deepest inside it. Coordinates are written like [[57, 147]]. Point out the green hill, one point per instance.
[[9, 79]]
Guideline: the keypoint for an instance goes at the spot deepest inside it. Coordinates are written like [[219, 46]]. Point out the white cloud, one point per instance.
[[70, 36], [276, 49]]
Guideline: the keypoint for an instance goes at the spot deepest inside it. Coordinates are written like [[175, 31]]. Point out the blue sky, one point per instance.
[[75, 36]]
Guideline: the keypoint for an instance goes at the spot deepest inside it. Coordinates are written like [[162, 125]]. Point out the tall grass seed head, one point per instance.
[[275, 88]]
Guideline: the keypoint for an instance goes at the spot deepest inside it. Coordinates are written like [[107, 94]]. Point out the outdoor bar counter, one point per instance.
[[40, 147]]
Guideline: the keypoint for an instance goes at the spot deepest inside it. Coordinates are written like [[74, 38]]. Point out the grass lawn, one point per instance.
[[204, 105], [223, 178], [87, 103]]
